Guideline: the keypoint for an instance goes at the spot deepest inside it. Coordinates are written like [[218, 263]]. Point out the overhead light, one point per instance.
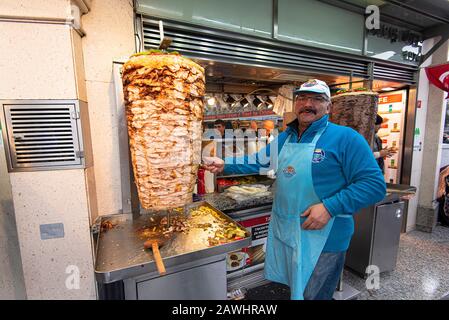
[[387, 89]]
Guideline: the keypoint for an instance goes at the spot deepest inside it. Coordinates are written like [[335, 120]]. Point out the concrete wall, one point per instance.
[[41, 60], [47, 197], [110, 34], [12, 285], [52, 61], [35, 8], [423, 92]]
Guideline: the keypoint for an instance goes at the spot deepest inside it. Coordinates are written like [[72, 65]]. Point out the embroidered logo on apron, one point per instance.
[[289, 172], [318, 156]]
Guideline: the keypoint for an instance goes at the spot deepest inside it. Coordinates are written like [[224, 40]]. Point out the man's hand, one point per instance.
[[386, 152], [318, 217], [213, 164]]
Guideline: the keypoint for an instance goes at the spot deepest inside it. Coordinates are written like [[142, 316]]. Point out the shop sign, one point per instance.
[[255, 221], [260, 232], [393, 98], [397, 43], [395, 34], [258, 226]]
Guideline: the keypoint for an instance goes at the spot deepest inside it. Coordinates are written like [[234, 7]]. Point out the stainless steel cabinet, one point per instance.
[[387, 232], [376, 237], [187, 282]]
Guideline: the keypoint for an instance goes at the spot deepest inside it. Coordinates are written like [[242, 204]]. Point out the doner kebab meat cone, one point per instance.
[[164, 108]]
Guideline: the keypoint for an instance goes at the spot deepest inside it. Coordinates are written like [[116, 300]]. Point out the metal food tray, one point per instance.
[[120, 253]]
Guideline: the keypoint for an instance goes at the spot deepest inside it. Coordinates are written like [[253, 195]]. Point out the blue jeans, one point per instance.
[[325, 276]]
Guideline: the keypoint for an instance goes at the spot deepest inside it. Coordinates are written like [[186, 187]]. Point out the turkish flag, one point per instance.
[[439, 76]]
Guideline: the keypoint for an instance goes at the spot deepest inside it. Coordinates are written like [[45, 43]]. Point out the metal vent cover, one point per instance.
[[208, 43], [42, 136]]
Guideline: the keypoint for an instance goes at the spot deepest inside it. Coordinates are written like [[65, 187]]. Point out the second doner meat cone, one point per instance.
[[356, 110], [164, 108]]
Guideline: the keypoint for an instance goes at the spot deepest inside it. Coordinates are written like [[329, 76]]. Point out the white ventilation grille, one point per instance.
[[42, 137]]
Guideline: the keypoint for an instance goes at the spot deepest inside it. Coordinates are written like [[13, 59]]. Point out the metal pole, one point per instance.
[[351, 75], [371, 74], [340, 282], [275, 22]]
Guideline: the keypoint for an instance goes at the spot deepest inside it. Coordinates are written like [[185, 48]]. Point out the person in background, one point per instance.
[[268, 125], [253, 126], [325, 173], [238, 132], [252, 130], [227, 147], [220, 126], [252, 134], [378, 152]]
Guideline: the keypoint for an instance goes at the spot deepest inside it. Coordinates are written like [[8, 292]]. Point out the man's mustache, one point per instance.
[[308, 110]]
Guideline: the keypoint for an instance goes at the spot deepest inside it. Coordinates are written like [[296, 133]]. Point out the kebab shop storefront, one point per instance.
[[90, 194]]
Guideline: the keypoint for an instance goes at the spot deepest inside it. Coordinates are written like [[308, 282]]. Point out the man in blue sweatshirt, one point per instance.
[[324, 174]]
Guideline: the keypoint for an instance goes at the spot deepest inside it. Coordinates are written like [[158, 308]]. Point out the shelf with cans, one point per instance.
[[392, 109]]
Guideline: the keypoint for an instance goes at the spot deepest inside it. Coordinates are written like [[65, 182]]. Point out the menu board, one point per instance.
[[392, 109]]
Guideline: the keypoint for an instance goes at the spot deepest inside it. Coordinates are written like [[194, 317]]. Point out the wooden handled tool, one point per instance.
[[154, 244]]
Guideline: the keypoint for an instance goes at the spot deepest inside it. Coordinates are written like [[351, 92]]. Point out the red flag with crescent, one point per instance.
[[439, 76]]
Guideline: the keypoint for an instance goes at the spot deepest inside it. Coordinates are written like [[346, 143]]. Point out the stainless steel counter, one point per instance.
[[226, 204], [120, 253]]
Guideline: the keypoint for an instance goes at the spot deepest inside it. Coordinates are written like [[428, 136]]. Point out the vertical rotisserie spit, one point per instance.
[[164, 107]]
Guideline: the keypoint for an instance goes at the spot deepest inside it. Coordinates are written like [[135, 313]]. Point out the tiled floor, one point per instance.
[[422, 272]]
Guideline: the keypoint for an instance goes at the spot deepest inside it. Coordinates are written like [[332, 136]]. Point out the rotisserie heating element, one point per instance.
[[164, 107]]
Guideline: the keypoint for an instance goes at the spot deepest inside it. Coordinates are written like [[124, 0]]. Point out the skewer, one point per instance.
[[168, 218]]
